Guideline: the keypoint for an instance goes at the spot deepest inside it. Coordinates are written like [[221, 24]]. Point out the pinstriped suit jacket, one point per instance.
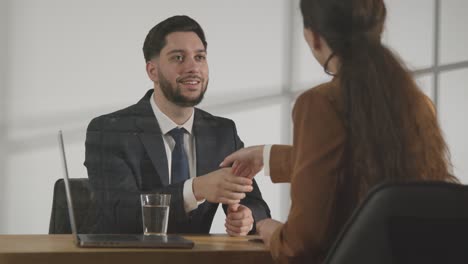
[[125, 156]]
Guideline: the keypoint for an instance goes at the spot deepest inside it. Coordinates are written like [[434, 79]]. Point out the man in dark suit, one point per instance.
[[164, 144]]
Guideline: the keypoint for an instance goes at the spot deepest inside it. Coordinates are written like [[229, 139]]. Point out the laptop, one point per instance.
[[115, 240]]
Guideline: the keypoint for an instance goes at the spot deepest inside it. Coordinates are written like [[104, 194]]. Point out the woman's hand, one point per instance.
[[266, 228], [246, 162]]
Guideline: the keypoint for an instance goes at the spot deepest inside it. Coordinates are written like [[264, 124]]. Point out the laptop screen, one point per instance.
[[67, 187]]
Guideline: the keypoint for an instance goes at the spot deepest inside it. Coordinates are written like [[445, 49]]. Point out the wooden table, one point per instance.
[[51, 249]]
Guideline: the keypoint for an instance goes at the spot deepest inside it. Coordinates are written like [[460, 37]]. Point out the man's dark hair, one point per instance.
[[156, 38]]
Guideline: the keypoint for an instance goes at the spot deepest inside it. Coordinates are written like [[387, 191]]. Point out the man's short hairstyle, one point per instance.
[[156, 38]]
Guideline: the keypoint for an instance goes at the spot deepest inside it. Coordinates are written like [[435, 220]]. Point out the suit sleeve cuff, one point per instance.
[[266, 159], [190, 202]]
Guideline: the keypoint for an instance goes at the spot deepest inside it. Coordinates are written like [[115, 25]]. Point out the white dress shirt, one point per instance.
[[266, 159], [166, 125]]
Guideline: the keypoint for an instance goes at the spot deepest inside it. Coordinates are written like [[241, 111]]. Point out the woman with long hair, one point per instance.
[[370, 124]]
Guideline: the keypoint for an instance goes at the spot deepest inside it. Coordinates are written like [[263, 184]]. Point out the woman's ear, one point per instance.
[[313, 39], [317, 40]]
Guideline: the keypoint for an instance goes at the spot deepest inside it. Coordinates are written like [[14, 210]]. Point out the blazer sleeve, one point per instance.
[[280, 163], [112, 173], [107, 172], [311, 164]]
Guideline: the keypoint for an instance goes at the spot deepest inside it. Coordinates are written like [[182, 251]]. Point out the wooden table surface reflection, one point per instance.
[[61, 249]]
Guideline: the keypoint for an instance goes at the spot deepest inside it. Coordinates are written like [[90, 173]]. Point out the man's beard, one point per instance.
[[174, 95]]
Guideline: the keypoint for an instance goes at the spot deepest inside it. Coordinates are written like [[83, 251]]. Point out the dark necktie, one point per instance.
[[179, 167]]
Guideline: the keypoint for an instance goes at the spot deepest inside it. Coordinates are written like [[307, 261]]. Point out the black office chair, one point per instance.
[[83, 205], [424, 222]]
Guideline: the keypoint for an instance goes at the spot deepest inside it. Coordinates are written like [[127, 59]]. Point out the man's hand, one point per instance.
[[239, 220], [266, 228], [246, 162], [221, 186]]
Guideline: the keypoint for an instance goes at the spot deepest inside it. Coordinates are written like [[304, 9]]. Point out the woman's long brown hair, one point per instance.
[[392, 131]]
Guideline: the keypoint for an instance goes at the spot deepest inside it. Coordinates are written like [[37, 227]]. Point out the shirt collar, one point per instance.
[[165, 123]]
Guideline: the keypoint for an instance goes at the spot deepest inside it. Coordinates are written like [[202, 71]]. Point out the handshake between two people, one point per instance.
[[229, 185], [245, 164]]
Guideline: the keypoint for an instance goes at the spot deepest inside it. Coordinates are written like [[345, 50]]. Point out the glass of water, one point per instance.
[[155, 213]]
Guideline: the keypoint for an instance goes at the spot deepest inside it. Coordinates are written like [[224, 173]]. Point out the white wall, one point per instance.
[[453, 110], [453, 91], [3, 100], [63, 62], [454, 38]]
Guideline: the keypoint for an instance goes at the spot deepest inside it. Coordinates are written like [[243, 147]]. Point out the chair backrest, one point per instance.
[[424, 222], [83, 205]]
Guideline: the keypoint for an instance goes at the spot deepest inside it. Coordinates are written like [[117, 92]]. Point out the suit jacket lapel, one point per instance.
[[205, 142], [151, 139]]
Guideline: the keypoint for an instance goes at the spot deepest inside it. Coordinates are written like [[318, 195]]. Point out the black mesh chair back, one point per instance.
[[83, 205], [425, 222]]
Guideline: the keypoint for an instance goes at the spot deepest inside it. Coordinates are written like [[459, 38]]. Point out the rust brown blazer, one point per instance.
[[310, 165]]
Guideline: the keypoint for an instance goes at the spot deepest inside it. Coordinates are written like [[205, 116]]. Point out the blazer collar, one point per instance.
[[151, 138], [146, 122], [204, 130]]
